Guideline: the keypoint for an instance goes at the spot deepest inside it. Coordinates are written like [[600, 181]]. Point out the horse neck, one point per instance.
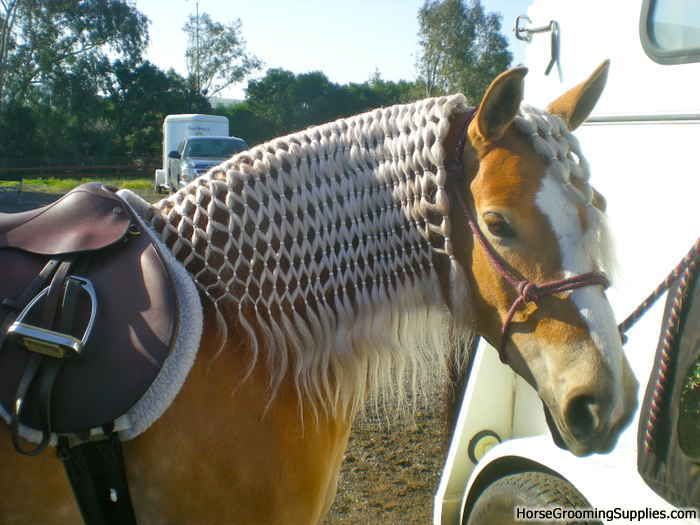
[[326, 229], [323, 247]]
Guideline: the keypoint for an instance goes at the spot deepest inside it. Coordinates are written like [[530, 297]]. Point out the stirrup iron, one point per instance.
[[49, 342]]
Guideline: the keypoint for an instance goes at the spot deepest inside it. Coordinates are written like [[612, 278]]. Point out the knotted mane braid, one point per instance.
[[559, 148], [323, 241], [553, 141]]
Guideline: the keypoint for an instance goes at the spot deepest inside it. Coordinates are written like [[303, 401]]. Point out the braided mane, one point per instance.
[[320, 247], [321, 244]]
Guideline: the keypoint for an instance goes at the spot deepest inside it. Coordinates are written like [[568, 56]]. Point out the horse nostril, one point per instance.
[[583, 416]]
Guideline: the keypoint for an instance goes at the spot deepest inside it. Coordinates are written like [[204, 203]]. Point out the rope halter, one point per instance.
[[528, 292]]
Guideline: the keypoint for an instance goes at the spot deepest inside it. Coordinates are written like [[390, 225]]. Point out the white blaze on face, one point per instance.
[[577, 256]]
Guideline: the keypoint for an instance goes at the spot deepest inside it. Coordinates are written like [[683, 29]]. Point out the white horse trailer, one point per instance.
[[176, 128], [641, 143]]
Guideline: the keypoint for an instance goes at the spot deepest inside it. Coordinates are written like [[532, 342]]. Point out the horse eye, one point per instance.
[[497, 225]]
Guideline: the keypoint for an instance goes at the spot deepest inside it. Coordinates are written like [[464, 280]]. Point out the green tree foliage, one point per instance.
[[139, 98], [42, 41], [74, 87], [461, 47], [246, 123], [216, 54], [282, 102], [55, 60]]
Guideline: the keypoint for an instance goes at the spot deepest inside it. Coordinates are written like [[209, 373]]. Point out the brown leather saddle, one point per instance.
[[88, 314]]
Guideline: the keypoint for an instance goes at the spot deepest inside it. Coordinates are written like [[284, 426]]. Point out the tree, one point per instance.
[[55, 64], [18, 135], [216, 55], [461, 47], [247, 123], [282, 102], [140, 97], [40, 41]]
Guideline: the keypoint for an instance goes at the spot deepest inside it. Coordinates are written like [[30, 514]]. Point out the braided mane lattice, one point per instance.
[[554, 142], [322, 242]]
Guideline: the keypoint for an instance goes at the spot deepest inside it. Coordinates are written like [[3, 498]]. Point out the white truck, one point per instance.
[[641, 142], [192, 144]]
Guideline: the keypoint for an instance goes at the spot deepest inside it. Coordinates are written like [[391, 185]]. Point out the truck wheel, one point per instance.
[[534, 490]]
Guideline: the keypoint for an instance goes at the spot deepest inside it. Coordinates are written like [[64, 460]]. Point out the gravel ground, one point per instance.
[[389, 475]]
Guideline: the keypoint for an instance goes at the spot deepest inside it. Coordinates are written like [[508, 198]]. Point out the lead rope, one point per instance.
[[684, 272], [689, 261]]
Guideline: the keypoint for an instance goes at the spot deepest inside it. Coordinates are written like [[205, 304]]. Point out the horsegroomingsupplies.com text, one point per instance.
[[609, 515]]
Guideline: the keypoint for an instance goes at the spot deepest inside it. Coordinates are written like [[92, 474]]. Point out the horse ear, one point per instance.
[[500, 104], [575, 105]]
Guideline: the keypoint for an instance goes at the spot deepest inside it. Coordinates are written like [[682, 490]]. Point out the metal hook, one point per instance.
[[524, 33], [554, 47]]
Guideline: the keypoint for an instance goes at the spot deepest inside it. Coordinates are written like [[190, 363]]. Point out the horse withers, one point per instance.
[[330, 264]]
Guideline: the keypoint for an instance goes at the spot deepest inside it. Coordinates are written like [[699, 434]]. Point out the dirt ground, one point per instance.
[[389, 475], [390, 471]]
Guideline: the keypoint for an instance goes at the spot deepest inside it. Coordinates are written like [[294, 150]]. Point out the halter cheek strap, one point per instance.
[[528, 292]]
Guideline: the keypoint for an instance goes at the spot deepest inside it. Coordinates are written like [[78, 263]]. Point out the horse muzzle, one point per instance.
[[587, 424]]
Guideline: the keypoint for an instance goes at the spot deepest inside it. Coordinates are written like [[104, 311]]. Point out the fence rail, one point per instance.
[[69, 171]]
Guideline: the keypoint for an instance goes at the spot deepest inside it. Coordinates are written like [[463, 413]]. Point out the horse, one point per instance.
[[331, 264]]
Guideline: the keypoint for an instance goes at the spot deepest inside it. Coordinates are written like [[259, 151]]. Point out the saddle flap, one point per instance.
[[90, 217]]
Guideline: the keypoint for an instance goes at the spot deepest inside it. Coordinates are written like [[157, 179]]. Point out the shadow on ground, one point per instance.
[[12, 201]]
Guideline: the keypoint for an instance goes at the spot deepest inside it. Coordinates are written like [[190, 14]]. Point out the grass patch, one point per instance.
[[55, 185]]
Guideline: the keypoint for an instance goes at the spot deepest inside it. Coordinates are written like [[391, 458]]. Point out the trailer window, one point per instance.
[[670, 30]]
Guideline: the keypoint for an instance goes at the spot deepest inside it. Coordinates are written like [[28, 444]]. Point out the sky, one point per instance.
[[348, 40]]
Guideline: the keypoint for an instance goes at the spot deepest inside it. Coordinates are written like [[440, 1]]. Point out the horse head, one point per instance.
[[540, 221]]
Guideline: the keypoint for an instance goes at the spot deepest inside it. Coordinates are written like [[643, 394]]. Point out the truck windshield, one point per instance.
[[216, 148]]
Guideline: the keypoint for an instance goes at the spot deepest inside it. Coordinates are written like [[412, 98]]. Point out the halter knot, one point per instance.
[[528, 292]]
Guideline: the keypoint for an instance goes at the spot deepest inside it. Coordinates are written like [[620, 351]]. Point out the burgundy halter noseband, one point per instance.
[[528, 292]]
